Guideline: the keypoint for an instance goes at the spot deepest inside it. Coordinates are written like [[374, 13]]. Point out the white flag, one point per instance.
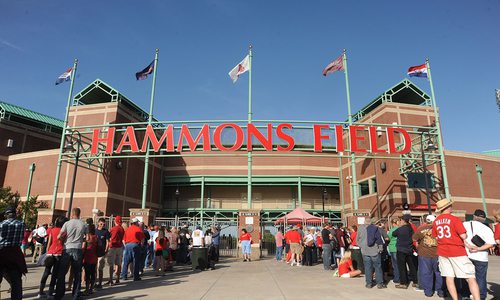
[[239, 69]]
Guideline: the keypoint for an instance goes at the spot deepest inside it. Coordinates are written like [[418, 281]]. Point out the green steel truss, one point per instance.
[[30, 118]]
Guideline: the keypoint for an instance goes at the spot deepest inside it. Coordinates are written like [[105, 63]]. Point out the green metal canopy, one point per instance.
[[28, 117], [403, 92], [100, 92]]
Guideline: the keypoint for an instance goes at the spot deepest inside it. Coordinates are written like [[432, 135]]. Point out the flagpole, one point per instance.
[[354, 183], [63, 136], [249, 151], [438, 127], [150, 119]]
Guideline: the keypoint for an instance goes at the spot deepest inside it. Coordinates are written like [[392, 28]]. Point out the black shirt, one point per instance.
[[404, 243], [102, 236], [325, 236]]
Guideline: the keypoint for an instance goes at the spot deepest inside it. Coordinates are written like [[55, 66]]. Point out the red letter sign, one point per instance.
[[204, 132], [237, 143], [266, 142], [373, 140], [151, 136], [289, 139], [109, 139], [128, 139], [355, 138], [392, 142], [318, 147]]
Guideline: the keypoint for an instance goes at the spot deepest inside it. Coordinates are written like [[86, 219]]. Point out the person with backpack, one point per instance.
[[369, 239], [429, 276]]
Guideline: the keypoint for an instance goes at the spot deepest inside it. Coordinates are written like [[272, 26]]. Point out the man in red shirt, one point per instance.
[[293, 238], [115, 251], [453, 261], [132, 239]]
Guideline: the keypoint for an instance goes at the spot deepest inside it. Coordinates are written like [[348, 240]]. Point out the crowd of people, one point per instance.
[[443, 256], [82, 250]]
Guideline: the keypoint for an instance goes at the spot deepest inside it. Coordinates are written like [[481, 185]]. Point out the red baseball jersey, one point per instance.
[[447, 230]]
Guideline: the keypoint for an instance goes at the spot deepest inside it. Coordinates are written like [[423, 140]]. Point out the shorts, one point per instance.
[[346, 275], [296, 248], [159, 253], [173, 254], [246, 247], [25, 246], [459, 267], [115, 256], [101, 262]]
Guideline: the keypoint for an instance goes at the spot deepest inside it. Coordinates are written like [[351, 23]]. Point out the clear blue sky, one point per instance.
[[200, 41]]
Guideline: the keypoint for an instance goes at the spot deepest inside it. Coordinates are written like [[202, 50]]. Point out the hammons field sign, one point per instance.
[[163, 139]]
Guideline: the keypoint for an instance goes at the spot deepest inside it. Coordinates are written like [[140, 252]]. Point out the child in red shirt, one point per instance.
[[161, 253], [346, 270], [90, 259]]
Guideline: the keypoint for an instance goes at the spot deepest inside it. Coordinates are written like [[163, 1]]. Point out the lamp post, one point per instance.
[[177, 193], [30, 180], [70, 147], [430, 147], [324, 198], [479, 172]]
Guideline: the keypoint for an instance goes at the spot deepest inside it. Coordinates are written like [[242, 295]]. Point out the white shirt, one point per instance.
[[198, 236], [484, 232], [208, 240], [41, 231]]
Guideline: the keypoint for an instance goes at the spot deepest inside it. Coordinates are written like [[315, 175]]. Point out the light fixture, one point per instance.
[[383, 166], [431, 147], [119, 165], [177, 193]]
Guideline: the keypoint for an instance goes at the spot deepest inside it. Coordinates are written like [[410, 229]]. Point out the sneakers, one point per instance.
[[401, 286], [369, 286], [381, 286], [42, 295], [293, 263], [299, 265]]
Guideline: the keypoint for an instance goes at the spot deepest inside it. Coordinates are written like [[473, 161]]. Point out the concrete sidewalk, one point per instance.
[[265, 279]]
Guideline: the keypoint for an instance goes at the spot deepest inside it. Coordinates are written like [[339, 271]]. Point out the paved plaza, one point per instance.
[[264, 279]]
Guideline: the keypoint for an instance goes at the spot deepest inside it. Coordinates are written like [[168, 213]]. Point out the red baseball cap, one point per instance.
[[118, 219]]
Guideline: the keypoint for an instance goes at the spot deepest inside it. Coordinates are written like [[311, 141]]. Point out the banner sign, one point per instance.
[[355, 138]]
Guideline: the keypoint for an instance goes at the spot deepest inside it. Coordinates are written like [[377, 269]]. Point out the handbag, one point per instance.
[[476, 239]]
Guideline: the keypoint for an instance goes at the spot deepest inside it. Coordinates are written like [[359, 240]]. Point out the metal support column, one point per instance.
[[479, 172], [299, 191], [30, 180], [202, 198]]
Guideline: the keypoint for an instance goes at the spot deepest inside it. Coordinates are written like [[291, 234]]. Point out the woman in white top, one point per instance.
[[309, 246]]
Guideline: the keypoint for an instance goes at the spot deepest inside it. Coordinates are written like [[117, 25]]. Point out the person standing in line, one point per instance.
[[430, 278], [339, 235], [150, 246], [391, 248], [278, 237], [11, 235], [479, 250], [161, 252], [90, 259], [133, 238], [216, 241], [293, 238], [173, 242], [327, 247], [308, 247], [54, 252], [115, 251], [25, 242], [73, 234], [453, 261], [404, 246], [369, 239], [198, 237], [246, 244], [497, 228], [103, 242]]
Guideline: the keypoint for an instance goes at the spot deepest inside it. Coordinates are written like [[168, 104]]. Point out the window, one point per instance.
[[364, 188], [374, 185]]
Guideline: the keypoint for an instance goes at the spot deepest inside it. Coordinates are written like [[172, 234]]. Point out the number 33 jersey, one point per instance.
[[447, 230]]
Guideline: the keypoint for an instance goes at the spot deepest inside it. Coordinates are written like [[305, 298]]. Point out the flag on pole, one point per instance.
[[239, 69], [144, 73], [66, 76], [336, 65], [497, 92], [418, 71]]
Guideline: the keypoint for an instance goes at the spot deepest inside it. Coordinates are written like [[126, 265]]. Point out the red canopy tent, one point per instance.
[[299, 215]]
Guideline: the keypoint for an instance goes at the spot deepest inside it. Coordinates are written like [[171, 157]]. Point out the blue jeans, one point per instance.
[[428, 271], [373, 263], [279, 253], [481, 270], [74, 258], [149, 255], [132, 254], [327, 256], [395, 269]]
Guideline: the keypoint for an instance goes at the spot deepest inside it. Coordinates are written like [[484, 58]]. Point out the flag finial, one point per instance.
[[76, 60], [250, 47], [157, 50]]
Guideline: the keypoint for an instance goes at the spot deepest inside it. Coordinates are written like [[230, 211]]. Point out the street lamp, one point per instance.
[[177, 193], [430, 147], [324, 198], [70, 147]]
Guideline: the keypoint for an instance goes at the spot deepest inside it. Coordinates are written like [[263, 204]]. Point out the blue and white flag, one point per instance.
[[64, 76]]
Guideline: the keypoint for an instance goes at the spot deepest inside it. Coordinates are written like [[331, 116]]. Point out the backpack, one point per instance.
[[372, 235], [428, 239], [335, 244]]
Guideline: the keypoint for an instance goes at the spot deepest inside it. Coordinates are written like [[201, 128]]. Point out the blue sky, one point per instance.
[[200, 41]]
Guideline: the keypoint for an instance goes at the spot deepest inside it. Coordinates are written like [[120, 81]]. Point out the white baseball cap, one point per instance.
[[430, 218], [135, 220]]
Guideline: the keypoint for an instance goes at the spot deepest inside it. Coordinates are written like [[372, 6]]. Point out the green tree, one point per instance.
[[27, 210]]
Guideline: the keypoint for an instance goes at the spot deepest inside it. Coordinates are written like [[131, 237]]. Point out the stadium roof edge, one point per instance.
[[31, 118]]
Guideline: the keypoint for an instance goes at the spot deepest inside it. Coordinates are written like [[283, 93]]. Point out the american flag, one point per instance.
[[336, 65]]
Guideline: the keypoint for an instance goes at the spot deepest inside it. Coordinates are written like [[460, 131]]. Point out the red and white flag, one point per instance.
[[336, 65], [239, 69]]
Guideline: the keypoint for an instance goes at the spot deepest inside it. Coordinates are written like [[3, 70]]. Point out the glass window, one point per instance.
[[374, 185], [364, 188]]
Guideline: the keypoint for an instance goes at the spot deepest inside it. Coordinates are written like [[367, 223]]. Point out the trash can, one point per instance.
[[199, 258], [357, 260]]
